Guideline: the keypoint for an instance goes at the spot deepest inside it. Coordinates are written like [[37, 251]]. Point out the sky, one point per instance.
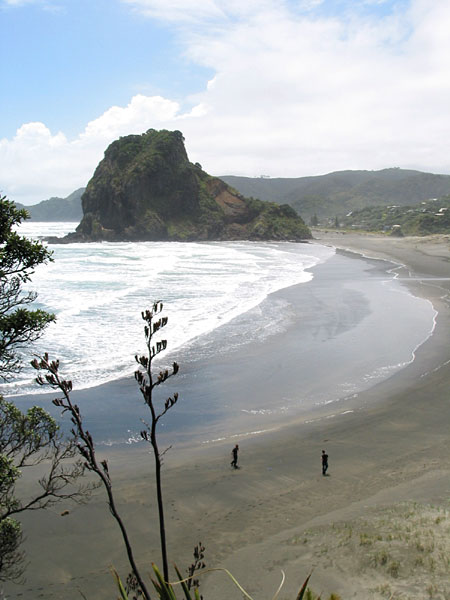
[[280, 88]]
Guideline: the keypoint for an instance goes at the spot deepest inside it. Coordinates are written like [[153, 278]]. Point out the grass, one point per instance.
[[402, 551]]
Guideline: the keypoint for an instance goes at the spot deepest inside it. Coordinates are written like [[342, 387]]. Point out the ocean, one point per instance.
[[336, 323]]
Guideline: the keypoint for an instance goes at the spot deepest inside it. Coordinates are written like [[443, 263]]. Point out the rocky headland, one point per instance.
[[145, 189]]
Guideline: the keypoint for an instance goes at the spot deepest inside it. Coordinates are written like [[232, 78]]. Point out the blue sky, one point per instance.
[[281, 88], [67, 65]]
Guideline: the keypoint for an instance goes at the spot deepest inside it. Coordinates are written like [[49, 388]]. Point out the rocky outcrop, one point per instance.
[[145, 189]]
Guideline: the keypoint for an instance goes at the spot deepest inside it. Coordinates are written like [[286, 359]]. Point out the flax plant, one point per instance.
[[148, 381], [166, 591], [86, 448]]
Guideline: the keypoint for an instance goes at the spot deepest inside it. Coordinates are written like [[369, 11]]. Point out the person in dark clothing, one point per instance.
[[324, 462], [234, 454]]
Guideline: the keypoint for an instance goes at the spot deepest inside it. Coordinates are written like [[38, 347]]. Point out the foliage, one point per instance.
[[166, 590], [278, 222], [11, 558], [26, 440], [19, 256], [154, 154], [147, 383], [431, 216]]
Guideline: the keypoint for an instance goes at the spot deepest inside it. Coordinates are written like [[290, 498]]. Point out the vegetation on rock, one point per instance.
[[146, 189]]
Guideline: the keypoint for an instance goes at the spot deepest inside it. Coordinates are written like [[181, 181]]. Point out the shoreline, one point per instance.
[[392, 455], [318, 342], [389, 456]]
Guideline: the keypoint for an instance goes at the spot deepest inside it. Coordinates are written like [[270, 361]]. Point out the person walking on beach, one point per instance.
[[324, 462], [234, 454]]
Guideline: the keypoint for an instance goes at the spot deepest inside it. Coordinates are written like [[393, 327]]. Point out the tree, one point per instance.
[[19, 256], [26, 439]]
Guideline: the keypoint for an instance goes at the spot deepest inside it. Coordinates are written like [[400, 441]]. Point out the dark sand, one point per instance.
[[376, 527]]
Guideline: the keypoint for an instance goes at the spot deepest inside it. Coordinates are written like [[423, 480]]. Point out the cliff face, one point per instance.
[[146, 189]]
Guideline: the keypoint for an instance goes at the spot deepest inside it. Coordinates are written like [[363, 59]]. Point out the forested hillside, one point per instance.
[[57, 209], [336, 194], [431, 216]]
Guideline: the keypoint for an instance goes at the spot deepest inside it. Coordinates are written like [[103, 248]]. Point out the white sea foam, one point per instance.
[[98, 290], [354, 327]]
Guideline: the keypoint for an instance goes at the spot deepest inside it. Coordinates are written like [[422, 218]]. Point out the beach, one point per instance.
[[375, 527]]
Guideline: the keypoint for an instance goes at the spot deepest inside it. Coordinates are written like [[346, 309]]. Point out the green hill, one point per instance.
[[336, 194], [428, 217], [57, 209]]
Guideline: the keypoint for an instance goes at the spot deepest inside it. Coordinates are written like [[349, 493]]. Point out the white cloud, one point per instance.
[[292, 95], [295, 96], [36, 164], [141, 113]]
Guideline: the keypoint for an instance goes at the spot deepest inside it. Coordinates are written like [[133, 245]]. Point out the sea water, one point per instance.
[[98, 291], [262, 330]]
